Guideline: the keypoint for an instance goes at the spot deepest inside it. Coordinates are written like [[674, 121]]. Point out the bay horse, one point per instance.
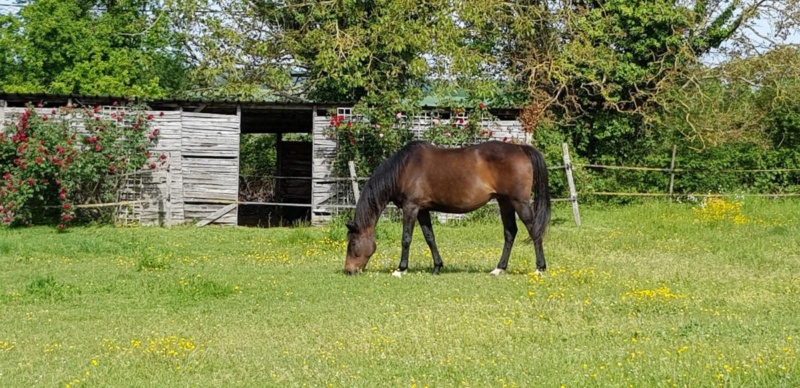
[[421, 178]]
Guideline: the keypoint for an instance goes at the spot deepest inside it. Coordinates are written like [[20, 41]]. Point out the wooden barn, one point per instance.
[[200, 182]]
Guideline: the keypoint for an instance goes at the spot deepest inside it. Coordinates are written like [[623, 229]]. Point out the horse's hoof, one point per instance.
[[539, 272], [497, 272], [398, 274]]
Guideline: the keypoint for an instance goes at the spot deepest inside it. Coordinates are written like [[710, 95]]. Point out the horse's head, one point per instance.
[[360, 247]]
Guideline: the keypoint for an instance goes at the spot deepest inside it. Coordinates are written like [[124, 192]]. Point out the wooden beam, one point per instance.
[[217, 214]]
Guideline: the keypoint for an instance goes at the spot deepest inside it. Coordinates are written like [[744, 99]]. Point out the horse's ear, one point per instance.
[[351, 227]]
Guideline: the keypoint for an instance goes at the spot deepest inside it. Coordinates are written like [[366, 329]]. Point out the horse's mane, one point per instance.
[[382, 185]]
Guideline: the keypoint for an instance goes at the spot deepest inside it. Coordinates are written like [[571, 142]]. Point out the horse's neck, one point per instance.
[[369, 208]]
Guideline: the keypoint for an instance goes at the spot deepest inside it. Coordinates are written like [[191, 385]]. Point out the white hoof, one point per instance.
[[497, 272], [539, 273], [398, 274]]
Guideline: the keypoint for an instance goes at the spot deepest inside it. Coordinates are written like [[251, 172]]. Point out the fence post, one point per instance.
[[2, 113], [672, 172], [573, 194], [353, 180], [168, 204]]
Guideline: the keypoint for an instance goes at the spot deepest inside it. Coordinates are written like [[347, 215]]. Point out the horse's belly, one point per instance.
[[459, 204]]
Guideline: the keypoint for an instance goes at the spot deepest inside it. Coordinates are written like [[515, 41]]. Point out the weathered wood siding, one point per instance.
[[210, 165], [322, 188], [165, 195]]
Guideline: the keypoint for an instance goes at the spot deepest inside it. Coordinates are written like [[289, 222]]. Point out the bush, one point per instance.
[[51, 161]]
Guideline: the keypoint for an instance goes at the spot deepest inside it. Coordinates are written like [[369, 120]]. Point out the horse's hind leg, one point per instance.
[[424, 218], [525, 212], [509, 234]]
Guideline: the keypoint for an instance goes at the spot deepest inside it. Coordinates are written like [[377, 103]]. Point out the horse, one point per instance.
[[421, 178]]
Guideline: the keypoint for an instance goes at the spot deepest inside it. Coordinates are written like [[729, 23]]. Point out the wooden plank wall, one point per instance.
[[210, 165], [324, 153], [161, 199]]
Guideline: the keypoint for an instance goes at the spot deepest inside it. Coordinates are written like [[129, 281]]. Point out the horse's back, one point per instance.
[[462, 179]]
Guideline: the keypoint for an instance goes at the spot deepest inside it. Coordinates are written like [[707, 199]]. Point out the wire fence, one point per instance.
[[281, 192]]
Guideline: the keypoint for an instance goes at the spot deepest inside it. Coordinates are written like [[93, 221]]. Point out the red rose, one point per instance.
[[66, 206], [152, 166], [163, 156]]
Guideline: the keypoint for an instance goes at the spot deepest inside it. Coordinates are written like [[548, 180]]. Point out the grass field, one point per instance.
[[655, 294]]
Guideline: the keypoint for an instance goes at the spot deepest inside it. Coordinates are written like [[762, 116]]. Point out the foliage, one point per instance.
[[50, 161], [368, 137], [99, 47], [336, 50], [258, 155]]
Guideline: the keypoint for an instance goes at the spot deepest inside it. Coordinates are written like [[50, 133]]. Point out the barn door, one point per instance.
[[210, 166]]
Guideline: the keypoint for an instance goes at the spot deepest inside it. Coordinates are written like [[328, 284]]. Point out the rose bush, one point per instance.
[[52, 159]]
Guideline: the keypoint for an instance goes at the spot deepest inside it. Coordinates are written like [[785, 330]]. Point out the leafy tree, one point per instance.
[[333, 50], [99, 47]]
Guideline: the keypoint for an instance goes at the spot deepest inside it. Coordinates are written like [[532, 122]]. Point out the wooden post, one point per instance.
[[672, 172], [2, 114], [353, 180], [573, 194], [168, 202]]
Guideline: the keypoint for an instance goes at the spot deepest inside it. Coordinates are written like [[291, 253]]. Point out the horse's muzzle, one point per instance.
[[353, 271]]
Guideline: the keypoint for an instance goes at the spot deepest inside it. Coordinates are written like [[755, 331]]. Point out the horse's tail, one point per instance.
[[541, 193]]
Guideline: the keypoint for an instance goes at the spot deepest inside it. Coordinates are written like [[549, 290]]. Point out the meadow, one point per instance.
[[651, 294]]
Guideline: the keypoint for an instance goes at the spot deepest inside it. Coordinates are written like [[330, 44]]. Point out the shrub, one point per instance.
[[50, 161]]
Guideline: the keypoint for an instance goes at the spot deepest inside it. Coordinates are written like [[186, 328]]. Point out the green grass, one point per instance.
[[643, 295]]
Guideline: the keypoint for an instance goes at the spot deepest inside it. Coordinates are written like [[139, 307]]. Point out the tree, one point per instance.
[[342, 50], [98, 47]]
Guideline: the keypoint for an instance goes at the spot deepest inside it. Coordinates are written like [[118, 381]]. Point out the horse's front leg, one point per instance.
[[424, 219], [409, 218]]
